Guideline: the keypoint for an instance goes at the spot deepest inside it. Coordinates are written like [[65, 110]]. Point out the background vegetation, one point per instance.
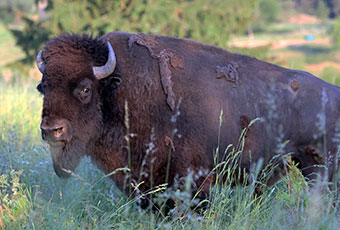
[[302, 34]]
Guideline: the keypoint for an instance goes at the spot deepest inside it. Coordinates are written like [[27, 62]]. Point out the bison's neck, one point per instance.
[[112, 151], [108, 153]]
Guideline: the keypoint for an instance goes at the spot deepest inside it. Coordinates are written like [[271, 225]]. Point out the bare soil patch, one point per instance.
[[304, 19], [281, 44], [319, 67]]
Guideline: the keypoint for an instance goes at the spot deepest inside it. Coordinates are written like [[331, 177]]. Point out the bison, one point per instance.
[[153, 104]]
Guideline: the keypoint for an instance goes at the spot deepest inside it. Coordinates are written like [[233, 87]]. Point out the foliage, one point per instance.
[[335, 32], [267, 13], [334, 6], [8, 8], [81, 16], [308, 6], [269, 10], [31, 37], [9, 51], [207, 21], [322, 10]]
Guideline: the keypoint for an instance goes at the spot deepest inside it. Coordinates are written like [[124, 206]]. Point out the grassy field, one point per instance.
[[32, 197]]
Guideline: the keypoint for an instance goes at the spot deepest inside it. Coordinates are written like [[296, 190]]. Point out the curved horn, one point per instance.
[[103, 71], [40, 62]]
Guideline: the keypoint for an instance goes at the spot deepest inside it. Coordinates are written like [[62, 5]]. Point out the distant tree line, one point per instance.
[[332, 7], [209, 21]]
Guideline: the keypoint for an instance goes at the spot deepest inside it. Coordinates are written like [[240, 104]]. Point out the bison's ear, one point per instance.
[[112, 82], [115, 82], [109, 85]]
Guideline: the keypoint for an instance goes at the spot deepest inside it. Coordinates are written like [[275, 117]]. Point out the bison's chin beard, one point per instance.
[[66, 157]]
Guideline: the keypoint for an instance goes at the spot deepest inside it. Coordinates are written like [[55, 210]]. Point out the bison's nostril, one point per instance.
[[55, 133], [55, 130], [58, 132]]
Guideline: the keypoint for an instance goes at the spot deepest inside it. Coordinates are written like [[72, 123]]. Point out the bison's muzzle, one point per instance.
[[56, 132]]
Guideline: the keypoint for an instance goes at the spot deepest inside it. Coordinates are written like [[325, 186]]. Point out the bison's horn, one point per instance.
[[103, 71], [40, 62]]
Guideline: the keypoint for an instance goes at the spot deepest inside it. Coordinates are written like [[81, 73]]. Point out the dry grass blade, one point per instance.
[[9, 212]]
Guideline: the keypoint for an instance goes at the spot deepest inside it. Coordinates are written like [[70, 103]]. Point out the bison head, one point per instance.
[[75, 70]]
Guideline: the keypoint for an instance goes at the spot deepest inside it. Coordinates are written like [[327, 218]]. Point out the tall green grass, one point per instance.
[[32, 197]]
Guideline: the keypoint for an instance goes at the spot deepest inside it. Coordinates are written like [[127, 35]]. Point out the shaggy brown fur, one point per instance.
[[157, 72]]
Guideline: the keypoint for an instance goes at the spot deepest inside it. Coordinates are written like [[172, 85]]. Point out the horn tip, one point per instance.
[[40, 62]]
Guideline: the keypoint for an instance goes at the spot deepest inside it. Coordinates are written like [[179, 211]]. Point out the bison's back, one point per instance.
[[209, 80]]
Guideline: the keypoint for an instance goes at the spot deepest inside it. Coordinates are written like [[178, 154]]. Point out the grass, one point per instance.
[[289, 28], [331, 75], [32, 197], [315, 53]]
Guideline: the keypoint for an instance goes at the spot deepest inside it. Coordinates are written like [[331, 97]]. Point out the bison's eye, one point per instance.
[[83, 91]]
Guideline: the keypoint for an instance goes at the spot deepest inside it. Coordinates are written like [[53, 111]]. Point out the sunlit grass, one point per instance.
[[20, 108]]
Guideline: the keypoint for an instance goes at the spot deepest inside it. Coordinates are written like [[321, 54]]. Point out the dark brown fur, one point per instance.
[[99, 128]]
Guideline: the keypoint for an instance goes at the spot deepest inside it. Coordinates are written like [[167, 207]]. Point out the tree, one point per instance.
[[322, 10], [336, 32], [8, 7], [334, 6], [209, 21], [31, 37], [204, 20], [308, 6], [267, 13]]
